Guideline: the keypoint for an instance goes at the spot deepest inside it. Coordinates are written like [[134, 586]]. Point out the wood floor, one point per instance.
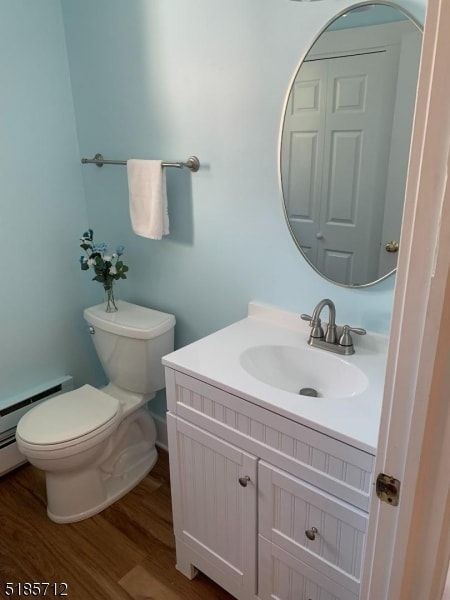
[[124, 553]]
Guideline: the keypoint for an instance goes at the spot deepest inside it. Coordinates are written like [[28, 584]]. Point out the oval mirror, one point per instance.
[[345, 140]]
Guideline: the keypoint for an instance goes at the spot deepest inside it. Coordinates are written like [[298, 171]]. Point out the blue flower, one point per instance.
[[120, 250], [102, 247], [82, 259]]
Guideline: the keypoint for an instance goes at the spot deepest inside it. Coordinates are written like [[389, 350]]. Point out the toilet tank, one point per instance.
[[130, 344]]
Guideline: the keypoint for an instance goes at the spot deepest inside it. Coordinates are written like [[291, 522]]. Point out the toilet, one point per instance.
[[96, 445]]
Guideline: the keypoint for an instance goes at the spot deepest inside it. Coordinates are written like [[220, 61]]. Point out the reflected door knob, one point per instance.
[[244, 480], [319, 235], [392, 247]]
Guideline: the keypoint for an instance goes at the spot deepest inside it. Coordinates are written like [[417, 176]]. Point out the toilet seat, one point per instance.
[[69, 419]]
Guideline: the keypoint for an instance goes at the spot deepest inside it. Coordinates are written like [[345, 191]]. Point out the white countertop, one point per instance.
[[215, 359]]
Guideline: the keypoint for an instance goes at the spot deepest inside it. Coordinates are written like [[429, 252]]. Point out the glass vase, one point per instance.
[[110, 301]]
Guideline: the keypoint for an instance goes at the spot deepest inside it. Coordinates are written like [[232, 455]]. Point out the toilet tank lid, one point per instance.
[[131, 320]]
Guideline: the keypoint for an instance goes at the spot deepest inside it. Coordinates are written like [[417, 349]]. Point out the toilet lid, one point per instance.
[[68, 416]]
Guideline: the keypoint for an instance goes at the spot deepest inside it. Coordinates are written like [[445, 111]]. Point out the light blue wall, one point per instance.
[[156, 79], [42, 203], [169, 78]]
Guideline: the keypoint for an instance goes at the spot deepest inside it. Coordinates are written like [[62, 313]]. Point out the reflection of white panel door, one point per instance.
[[341, 204], [405, 101], [356, 157], [302, 154]]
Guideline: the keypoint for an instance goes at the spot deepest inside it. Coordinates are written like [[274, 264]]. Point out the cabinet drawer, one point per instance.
[[284, 577], [332, 465], [313, 526]]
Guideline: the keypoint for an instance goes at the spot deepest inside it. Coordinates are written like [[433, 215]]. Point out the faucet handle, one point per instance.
[[315, 324], [346, 338]]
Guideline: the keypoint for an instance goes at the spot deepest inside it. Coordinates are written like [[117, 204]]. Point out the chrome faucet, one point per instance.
[[330, 340]]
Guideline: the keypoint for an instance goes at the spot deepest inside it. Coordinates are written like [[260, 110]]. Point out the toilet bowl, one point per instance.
[[95, 445]]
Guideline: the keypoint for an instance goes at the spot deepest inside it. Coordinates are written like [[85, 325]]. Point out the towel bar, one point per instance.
[[192, 163]]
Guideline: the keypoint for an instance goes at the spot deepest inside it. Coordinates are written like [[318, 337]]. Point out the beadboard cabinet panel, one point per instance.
[[284, 577], [214, 514]]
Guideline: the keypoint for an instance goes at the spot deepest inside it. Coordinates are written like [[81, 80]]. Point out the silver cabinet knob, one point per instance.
[[319, 235], [244, 480], [311, 533]]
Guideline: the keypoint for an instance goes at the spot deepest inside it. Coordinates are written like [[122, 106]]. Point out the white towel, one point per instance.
[[148, 198]]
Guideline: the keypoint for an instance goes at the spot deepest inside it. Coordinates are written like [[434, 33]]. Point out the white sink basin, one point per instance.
[[266, 360], [292, 369]]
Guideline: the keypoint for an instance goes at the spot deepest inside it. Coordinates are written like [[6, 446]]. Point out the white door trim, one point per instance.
[[409, 546]]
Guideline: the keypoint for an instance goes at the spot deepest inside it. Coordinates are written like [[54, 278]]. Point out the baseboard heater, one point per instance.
[[12, 409]]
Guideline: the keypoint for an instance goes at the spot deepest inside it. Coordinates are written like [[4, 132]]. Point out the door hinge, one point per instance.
[[388, 489]]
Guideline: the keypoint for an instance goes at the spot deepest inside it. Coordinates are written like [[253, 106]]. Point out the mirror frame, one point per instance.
[[338, 15]]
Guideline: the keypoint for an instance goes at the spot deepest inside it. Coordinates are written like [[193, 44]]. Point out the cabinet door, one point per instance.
[[313, 526], [214, 505]]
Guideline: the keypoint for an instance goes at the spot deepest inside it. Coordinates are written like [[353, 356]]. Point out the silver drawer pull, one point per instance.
[[311, 533], [244, 480]]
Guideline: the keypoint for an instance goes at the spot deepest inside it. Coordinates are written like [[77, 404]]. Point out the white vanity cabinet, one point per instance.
[[265, 506]]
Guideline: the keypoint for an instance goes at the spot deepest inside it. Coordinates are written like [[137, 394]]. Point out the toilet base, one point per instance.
[[124, 460], [91, 491]]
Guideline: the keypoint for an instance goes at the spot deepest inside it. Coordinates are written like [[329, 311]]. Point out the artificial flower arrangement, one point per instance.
[[107, 267]]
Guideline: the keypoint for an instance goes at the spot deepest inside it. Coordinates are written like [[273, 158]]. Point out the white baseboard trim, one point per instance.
[[161, 431]]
